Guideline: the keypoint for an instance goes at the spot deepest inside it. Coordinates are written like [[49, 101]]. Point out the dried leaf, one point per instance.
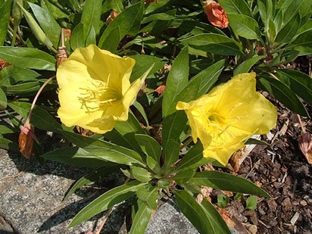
[[305, 145]]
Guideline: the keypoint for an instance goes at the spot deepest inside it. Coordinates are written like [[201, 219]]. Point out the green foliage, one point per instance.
[[175, 46]]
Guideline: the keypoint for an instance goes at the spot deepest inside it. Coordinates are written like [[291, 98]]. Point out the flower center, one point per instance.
[[98, 95]]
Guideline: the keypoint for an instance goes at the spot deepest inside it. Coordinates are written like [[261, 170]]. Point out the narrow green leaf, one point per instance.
[[3, 100], [228, 182], [122, 22], [217, 222], [303, 43], [35, 28], [91, 16], [77, 37], [27, 58], [298, 82], [289, 30], [8, 144], [91, 38], [177, 80], [40, 117], [236, 7], [47, 23], [5, 9], [253, 141], [104, 150], [141, 219], [140, 174], [244, 26], [143, 63], [106, 201], [214, 43], [267, 11], [183, 176], [92, 177], [294, 8], [141, 110], [149, 146], [112, 41], [193, 156], [149, 194], [284, 94], [75, 156], [173, 125], [171, 154], [22, 89], [202, 217], [14, 74], [247, 64]]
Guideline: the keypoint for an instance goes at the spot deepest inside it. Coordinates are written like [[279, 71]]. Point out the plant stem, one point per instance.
[[187, 142], [35, 99]]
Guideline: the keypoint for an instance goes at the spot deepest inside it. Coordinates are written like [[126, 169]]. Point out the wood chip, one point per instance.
[[305, 145], [294, 218]]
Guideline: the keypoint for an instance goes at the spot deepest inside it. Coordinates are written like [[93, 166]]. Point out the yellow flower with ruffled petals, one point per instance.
[[227, 116], [95, 89]]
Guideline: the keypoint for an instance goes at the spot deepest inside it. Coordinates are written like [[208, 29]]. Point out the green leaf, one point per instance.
[[251, 203], [37, 31], [203, 219], [267, 11], [235, 7], [289, 30], [294, 8], [223, 200], [106, 201], [298, 82], [128, 128], [183, 176], [77, 37], [47, 22], [56, 12], [244, 26], [3, 100], [112, 41], [173, 126], [177, 80], [104, 150], [40, 117], [247, 64], [91, 38], [5, 9], [149, 146], [92, 177], [193, 156], [303, 43], [141, 219], [91, 16], [171, 154], [284, 94], [75, 156], [228, 182], [143, 63], [214, 43], [140, 174], [141, 110], [8, 144], [217, 222], [22, 89], [123, 23], [13, 74], [27, 58], [149, 194]]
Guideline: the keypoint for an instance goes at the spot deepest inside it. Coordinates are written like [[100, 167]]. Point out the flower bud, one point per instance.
[[216, 14], [111, 17], [26, 140]]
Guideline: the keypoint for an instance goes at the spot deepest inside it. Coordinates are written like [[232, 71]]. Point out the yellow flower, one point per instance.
[[228, 115], [95, 90]]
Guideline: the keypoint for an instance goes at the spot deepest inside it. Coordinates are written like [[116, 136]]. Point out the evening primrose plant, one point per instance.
[[94, 91], [152, 90]]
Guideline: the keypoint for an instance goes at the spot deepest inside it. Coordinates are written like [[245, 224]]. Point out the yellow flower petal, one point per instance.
[[229, 115], [95, 90]]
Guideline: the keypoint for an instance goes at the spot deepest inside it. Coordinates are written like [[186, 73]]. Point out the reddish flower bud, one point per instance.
[[111, 17], [26, 140], [216, 14]]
